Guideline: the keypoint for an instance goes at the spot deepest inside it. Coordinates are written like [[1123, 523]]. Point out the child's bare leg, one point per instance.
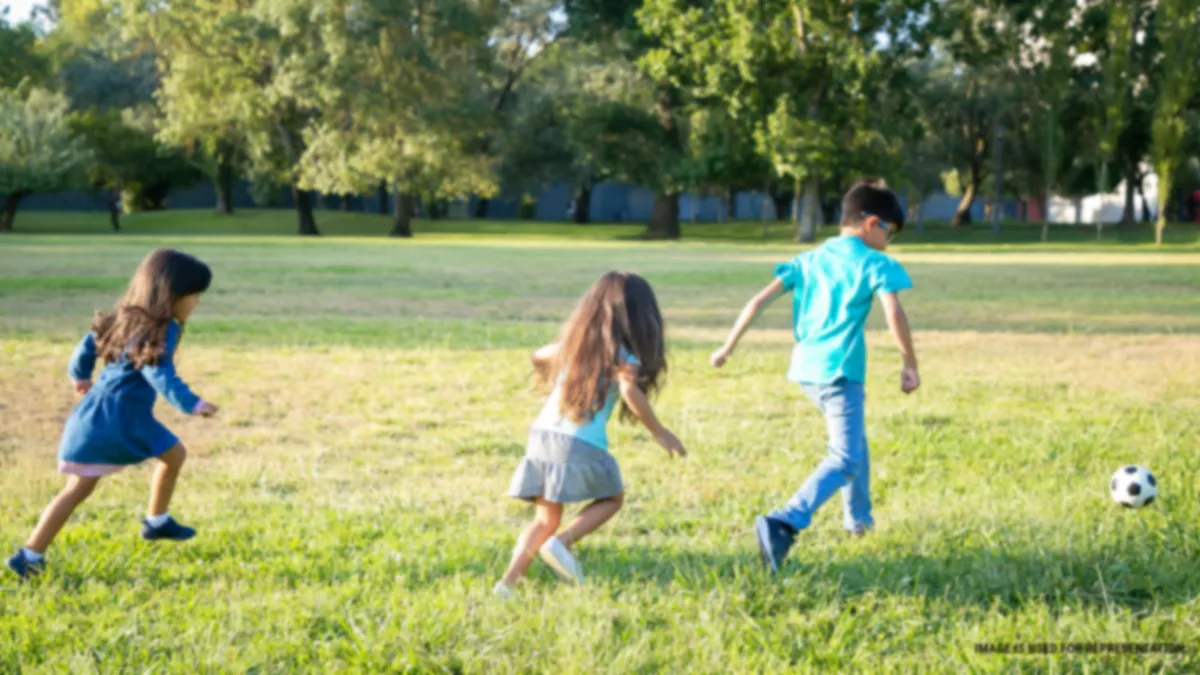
[[163, 483], [545, 522], [591, 517], [59, 511]]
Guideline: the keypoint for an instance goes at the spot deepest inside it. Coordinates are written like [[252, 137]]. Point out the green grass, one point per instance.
[[350, 496], [281, 222]]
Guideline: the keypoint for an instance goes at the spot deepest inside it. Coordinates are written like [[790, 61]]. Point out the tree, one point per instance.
[[110, 83], [236, 74], [1113, 95], [521, 33], [1177, 75], [801, 72], [922, 149], [545, 137], [404, 104], [38, 150], [1042, 73], [634, 123], [20, 59]]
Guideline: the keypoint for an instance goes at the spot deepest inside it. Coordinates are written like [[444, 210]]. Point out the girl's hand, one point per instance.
[[671, 444], [82, 386], [719, 357], [909, 380], [205, 409]]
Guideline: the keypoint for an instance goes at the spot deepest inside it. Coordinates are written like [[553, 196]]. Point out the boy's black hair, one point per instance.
[[871, 197]]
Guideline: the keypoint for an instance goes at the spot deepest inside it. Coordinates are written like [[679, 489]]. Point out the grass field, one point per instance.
[[375, 399]]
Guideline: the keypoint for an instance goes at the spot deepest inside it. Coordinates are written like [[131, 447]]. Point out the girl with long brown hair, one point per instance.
[[113, 425], [610, 351]]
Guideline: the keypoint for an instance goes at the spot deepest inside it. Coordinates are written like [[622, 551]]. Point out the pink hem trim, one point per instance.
[[88, 470]]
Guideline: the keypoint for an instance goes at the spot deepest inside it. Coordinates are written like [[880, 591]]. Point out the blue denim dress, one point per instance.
[[114, 424]]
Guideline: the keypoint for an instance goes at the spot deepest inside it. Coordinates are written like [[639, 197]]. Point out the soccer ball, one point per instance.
[[1133, 486]]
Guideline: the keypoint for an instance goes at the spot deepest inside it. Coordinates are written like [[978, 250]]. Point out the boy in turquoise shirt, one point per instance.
[[833, 287]]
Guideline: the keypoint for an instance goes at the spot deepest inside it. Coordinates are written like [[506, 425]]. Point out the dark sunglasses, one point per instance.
[[891, 230]]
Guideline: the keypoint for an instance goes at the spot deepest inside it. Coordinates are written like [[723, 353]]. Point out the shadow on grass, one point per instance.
[[968, 577]]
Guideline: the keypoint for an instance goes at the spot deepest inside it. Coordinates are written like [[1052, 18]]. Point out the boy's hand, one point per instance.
[[671, 444], [909, 380], [719, 357], [82, 386], [206, 409]]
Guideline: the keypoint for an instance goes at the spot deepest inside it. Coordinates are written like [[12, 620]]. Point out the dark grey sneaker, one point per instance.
[[774, 540], [23, 568], [169, 530]]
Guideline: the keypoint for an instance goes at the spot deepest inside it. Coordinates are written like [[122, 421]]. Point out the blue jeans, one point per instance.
[[847, 466]]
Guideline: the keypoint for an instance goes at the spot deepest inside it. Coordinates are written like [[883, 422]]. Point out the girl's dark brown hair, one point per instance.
[[619, 311], [137, 326]]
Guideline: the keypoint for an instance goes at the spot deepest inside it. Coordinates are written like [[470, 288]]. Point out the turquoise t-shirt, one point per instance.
[[594, 431], [832, 288]]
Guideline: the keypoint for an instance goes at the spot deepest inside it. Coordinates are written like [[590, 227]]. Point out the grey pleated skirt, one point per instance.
[[561, 468]]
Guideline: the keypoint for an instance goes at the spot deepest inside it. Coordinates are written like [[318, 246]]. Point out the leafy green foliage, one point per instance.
[[39, 152]]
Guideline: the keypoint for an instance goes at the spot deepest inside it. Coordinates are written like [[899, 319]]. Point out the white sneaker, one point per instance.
[[501, 591], [561, 561]]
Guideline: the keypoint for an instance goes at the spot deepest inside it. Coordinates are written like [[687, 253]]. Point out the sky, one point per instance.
[[18, 10]]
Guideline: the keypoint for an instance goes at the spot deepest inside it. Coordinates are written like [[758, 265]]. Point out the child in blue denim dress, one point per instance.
[[833, 287], [113, 425], [609, 351]]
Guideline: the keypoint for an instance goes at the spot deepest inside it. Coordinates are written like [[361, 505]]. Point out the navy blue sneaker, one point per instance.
[[25, 569], [774, 540], [168, 530]]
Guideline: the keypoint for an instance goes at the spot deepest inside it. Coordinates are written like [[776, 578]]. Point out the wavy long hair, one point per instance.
[[618, 312], [137, 325]]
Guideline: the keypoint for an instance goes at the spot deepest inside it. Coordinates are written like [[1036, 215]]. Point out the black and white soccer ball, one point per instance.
[[1133, 486]]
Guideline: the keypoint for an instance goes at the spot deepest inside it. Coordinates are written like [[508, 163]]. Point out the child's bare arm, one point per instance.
[[636, 399], [757, 304], [897, 321]]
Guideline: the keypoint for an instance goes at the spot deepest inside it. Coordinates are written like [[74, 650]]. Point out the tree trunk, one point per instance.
[[921, 211], [914, 205], [402, 218], [781, 200], [766, 196], [807, 231], [9, 216], [114, 209], [796, 209], [1045, 215], [346, 202], [962, 215], [1078, 210], [998, 177], [583, 205], [1165, 178], [1146, 215], [1127, 216], [481, 208], [382, 196], [664, 217], [224, 185], [695, 207], [731, 205], [307, 224]]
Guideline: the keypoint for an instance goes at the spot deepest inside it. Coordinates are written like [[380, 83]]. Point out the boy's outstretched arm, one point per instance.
[[757, 304], [897, 321]]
